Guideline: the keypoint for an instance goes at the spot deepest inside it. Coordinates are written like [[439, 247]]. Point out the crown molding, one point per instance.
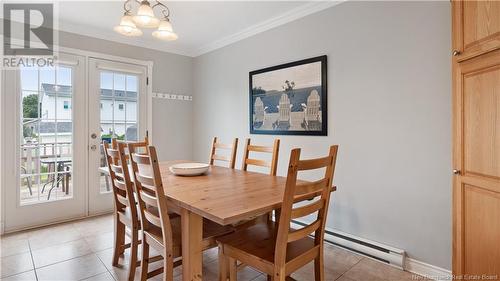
[[289, 16], [294, 14]]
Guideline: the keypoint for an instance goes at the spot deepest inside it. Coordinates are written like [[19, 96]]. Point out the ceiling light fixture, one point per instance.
[[146, 18]]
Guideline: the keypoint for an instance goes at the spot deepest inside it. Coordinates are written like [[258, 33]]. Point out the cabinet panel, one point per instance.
[[482, 229], [481, 94], [476, 27]]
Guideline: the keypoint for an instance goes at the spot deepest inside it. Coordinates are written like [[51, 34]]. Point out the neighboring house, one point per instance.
[[118, 111]]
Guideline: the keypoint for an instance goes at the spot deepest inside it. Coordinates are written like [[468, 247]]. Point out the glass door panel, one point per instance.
[[48, 174], [46, 136], [117, 110]]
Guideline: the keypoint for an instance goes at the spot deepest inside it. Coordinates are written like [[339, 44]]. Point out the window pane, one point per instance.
[[29, 78], [106, 80], [47, 78], [132, 86], [119, 131], [64, 77], [119, 111], [119, 83], [30, 102], [131, 132], [48, 106], [64, 107], [131, 111]]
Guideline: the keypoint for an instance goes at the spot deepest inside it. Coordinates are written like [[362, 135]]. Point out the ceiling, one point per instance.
[[202, 26]]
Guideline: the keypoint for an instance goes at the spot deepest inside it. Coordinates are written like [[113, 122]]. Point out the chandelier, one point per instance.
[[145, 18]]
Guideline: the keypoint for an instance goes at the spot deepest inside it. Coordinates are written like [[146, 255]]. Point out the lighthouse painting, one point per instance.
[[290, 99]]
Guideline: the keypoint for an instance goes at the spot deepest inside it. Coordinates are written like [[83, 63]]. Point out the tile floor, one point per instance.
[[82, 250]]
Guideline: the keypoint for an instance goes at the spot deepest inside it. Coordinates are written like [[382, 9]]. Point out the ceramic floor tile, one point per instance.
[[53, 236], [25, 276], [54, 254], [74, 269], [368, 269], [100, 241], [120, 272], [15, 264], [9, 246], [61, 252], [338, 259], [344, 278], [307, 273], [106, 276]]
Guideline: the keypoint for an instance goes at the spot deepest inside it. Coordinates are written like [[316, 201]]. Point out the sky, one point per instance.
[[306, 75]]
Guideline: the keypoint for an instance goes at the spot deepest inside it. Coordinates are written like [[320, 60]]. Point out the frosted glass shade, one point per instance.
[[127, 27], [145, 16], [165, 31]]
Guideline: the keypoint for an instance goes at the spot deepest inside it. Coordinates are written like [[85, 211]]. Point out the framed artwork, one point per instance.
[[290, 99]]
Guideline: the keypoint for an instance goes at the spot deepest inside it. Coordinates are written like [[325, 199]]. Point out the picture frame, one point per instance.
[[290, 99]]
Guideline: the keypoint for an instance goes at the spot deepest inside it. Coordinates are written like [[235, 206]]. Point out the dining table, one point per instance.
[[222, 195]]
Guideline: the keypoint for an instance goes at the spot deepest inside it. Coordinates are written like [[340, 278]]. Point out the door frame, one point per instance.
[[3, 120]]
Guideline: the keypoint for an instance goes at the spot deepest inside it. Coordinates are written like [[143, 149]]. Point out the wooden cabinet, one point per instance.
[[476, 184], [476, 27]]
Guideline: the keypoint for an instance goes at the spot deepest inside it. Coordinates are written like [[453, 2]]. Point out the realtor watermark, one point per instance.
[[29, 37], [457, 277]]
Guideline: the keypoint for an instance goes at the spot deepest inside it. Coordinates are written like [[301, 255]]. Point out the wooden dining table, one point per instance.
[[222, 195]]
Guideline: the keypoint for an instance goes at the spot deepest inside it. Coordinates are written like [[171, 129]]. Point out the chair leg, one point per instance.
[[168, 266], [233, 271], [223, 265], [319, 270], [144, 260], [119, 240], [134, 245]]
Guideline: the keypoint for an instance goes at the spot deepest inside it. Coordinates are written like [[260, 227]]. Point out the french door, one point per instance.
[[44, 163], [117, 109], [58, 117]]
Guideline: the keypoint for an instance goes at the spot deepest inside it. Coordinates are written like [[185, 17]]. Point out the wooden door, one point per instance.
[[476, 194], [476, 27]]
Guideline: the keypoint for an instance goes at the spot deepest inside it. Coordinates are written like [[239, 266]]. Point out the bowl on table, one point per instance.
[[189, 169]]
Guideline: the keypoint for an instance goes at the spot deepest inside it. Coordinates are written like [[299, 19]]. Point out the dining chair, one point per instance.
[[272, 165], [274, 247], [162, 233], [159, 231], [251, 161], [231, 159], [125, 214]]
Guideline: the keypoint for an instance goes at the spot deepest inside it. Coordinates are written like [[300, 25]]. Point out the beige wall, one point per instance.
[[389, 109]]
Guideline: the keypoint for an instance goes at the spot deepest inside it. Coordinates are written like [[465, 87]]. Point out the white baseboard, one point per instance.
[[427, 270]]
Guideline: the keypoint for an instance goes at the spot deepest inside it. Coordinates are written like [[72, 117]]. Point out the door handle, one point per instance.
[[456, 172], [93, 136], [456, 53], [93, 147]]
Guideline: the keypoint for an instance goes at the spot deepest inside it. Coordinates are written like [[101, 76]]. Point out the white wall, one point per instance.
[[172, 125], [389, 103]]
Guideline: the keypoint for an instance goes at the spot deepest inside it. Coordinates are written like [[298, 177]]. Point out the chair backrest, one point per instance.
[[295, 193], [150, 194], [123, 192], [231, 159], [272, 165]]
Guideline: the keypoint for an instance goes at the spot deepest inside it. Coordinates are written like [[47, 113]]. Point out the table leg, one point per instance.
[[192, 236]]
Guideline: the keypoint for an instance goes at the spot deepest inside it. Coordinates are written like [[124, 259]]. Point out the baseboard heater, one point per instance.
[[390, 255]]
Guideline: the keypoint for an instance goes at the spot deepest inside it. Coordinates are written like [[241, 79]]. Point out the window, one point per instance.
[[66, 104], [101, 105], [120, 106]]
